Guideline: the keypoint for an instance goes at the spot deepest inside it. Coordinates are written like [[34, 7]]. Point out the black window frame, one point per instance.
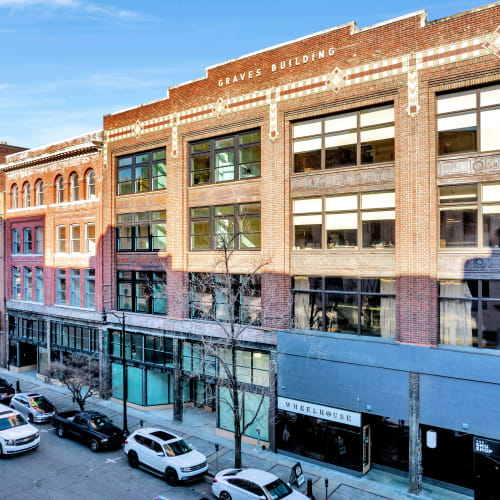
[[74, 336], [28, 240], [477, 109], [212, 150], [357, 130], [134, 165], [132, 224], [238, 219], [132, 278], [319, 288]]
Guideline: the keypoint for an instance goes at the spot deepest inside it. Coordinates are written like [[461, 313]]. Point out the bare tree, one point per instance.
[[80, 374], [234, 311]]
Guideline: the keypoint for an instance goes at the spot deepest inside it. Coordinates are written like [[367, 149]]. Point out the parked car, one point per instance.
[[89, 427], [165, 454], [6, 392], [34, 406], [250, 484], [16, 435]]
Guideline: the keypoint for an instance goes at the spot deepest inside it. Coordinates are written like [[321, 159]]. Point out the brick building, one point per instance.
[[359, 169]]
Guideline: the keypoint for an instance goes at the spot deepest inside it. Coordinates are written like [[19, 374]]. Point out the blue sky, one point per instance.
[[66, 63]]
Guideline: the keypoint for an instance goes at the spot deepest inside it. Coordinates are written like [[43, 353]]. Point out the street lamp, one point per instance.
[[124, 367]]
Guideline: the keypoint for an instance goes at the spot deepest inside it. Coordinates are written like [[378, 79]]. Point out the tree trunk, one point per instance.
[[236, 411]]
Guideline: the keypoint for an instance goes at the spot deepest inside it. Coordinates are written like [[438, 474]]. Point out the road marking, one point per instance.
[[112, 460]]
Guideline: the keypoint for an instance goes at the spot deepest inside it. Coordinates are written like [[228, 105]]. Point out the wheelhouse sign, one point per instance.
[[319, 411]]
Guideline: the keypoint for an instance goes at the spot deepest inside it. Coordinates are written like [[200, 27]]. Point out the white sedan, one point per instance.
[[250, 484]]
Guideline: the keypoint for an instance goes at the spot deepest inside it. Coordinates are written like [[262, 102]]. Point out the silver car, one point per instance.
[[34, 406]]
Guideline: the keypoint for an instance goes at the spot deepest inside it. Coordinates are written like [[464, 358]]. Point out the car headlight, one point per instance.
[[104, 440], [9, 442], [37, 435], [185, 469]]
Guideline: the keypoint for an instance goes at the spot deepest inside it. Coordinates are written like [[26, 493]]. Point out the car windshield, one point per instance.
[[41, 403], [99, 422], [278, 489], [176, 448], [12, 421]]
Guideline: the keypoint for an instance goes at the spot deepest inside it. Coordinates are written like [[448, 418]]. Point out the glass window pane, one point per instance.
[[378, 200], [200, 242], [159, 169], [200, 162], [458, 228], [123, 162], [227, 142], [491, 229], [377, 151], [307, 145], [250, 154], [200, 212], [159, 388], [341, 150], [224, 210], [338, 203], [378, 233], [456, 101], [306, 235], [306, 129], [491, 320], [375, 116], [250, 137], [124, 174], [307, 161], [491, 192], [250, 208], [142, 158], [125, 188], [458, 322], [458, 194], [377, 134], [307, 309], [159, 215], [341, 122], [490, 130], [308, 205], [341, 313], [159, 155], [200, 147]]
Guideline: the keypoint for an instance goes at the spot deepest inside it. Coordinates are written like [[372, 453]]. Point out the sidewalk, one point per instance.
[[198, 428]]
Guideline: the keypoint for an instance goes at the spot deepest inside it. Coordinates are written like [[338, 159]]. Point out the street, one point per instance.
[[65, 469]]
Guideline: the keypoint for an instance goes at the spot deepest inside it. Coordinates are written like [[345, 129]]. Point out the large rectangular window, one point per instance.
[[39, 284], [142, 291], [16, 283], [364, 220], [16, 241], [74, 336], [27, 240], [61, 286], [470, 216], [75, 238], [212, 299], [470, 313], [222, 159], [230, 226], [60, 239], [141, 172], [142, 232], [28, 283], [345, 305], [344, 140], [469, 121], [75, 287]]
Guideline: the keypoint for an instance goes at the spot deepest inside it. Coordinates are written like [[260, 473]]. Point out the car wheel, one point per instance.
[[225, 496], [171, 477], [94, 446], [1, 452], [133, 461], [60, 431]]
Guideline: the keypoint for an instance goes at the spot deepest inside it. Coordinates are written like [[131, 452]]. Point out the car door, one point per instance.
[[22, 405], [146, 453], [79, 427], [158, 456]]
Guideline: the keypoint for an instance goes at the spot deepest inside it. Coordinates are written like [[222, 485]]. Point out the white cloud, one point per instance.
[[76, 5]]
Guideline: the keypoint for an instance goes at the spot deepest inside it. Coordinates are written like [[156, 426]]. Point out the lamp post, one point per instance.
[[124, 367]]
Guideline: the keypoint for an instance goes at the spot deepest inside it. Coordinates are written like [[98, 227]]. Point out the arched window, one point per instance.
[[39, 192], [73, 186], [15, 197], [59, 189], [27, 195], [90, 183]]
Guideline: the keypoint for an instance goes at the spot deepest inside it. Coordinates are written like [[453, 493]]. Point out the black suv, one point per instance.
[[6, 392]]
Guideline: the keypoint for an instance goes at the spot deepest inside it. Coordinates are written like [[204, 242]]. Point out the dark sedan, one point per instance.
[[6, 392]]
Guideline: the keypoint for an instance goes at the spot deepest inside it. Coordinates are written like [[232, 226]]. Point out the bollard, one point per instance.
[[18, 386], [141, 423], [309, 492], [216, 457], [326, 488]]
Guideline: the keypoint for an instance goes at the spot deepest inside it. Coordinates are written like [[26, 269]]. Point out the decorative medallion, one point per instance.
[[336, 80], [137, 129], [492, 44], [220, 107]]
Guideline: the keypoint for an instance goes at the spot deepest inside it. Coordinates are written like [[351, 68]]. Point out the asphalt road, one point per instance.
[[65, 469]]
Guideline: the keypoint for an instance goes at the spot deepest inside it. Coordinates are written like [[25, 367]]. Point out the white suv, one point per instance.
[[16, 435], [165, 454]]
